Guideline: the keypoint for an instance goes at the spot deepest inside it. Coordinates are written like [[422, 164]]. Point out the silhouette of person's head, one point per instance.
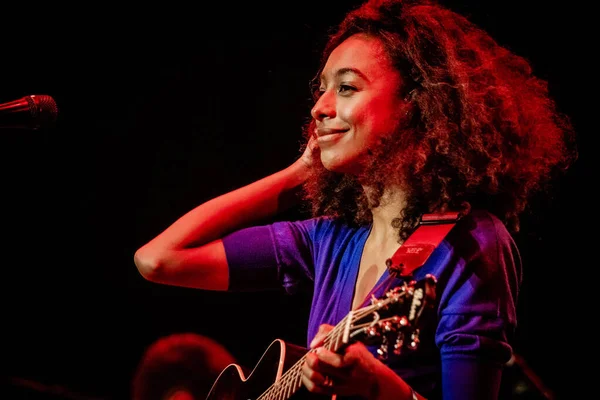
[[180, 366]]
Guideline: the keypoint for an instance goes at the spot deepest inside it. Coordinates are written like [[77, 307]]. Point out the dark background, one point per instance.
[[163, 107]]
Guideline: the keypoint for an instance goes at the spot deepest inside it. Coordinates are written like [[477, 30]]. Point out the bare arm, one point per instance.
[[190, 252]]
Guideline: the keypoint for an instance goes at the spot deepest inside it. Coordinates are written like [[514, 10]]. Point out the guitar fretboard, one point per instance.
[[338, 337]]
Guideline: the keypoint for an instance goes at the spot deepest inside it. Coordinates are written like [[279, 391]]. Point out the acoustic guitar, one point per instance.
[[390, 322]]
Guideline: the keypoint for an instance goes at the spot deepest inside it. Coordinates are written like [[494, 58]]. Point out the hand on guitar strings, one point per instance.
[[351, 373]]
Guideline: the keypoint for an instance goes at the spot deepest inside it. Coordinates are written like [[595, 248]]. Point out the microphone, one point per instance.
[[29, 112]]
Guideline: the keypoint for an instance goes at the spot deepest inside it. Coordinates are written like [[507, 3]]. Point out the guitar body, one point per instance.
[[232, 384]]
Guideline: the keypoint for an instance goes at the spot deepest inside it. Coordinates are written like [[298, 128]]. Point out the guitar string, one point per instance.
[[357, 315], [290, 386], [291, 380]]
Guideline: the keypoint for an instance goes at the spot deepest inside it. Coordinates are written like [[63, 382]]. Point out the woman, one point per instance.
[[417, 111]]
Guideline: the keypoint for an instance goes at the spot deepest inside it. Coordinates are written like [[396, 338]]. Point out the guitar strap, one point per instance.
[[420, 244]]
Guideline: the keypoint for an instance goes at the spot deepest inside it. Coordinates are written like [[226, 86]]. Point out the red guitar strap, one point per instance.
[[420, 244]]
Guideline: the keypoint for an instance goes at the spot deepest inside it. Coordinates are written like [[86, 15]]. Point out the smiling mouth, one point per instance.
[[330, 136], [321, 133]]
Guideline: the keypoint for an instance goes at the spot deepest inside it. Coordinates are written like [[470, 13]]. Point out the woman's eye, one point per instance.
[[342, 89], [345, 88]]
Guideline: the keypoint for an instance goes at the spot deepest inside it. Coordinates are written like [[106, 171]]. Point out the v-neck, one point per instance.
[[352, 278]]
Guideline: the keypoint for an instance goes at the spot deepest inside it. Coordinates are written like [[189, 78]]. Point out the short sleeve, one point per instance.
[[270, 257]]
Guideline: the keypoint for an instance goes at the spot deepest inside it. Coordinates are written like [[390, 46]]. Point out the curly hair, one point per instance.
[[180, 361], [484, 132]]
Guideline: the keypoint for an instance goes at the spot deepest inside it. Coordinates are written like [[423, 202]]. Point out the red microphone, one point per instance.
[[29, 112]]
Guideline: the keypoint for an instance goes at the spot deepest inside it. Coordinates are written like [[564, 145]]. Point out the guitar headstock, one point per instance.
[[392, 321]]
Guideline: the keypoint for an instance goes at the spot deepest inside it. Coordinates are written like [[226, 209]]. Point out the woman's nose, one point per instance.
[[324, 107]]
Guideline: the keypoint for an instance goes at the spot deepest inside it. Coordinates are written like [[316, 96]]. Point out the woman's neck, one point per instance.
[[383, 234]]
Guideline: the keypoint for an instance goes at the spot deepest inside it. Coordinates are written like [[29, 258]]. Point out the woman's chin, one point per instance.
[[339, 165]]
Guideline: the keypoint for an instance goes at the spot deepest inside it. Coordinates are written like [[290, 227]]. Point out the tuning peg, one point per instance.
[[389, 326], [414, 340], [375, 301], [397, 290], [382, 351], [401, 321], [399, 344], [372, 332]]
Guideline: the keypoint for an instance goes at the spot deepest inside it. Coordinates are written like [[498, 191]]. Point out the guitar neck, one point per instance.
[[336, 340]]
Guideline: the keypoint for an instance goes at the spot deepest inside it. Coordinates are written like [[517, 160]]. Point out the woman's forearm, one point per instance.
[[180, 245]]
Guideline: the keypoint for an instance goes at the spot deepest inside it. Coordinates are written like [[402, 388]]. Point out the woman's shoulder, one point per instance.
[[479, 233], [482, 225]]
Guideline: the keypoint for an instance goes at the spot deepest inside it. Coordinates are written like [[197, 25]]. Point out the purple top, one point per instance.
[[478, 272]]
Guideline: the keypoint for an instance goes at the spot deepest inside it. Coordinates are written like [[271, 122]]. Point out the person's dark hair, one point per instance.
[[180, 361], [483, 132]]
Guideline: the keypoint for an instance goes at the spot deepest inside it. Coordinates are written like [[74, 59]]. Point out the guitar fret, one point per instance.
[[287, 385], [290, 388], [291, 380]]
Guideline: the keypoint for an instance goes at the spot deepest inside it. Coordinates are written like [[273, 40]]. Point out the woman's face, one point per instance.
[[359, 103]]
